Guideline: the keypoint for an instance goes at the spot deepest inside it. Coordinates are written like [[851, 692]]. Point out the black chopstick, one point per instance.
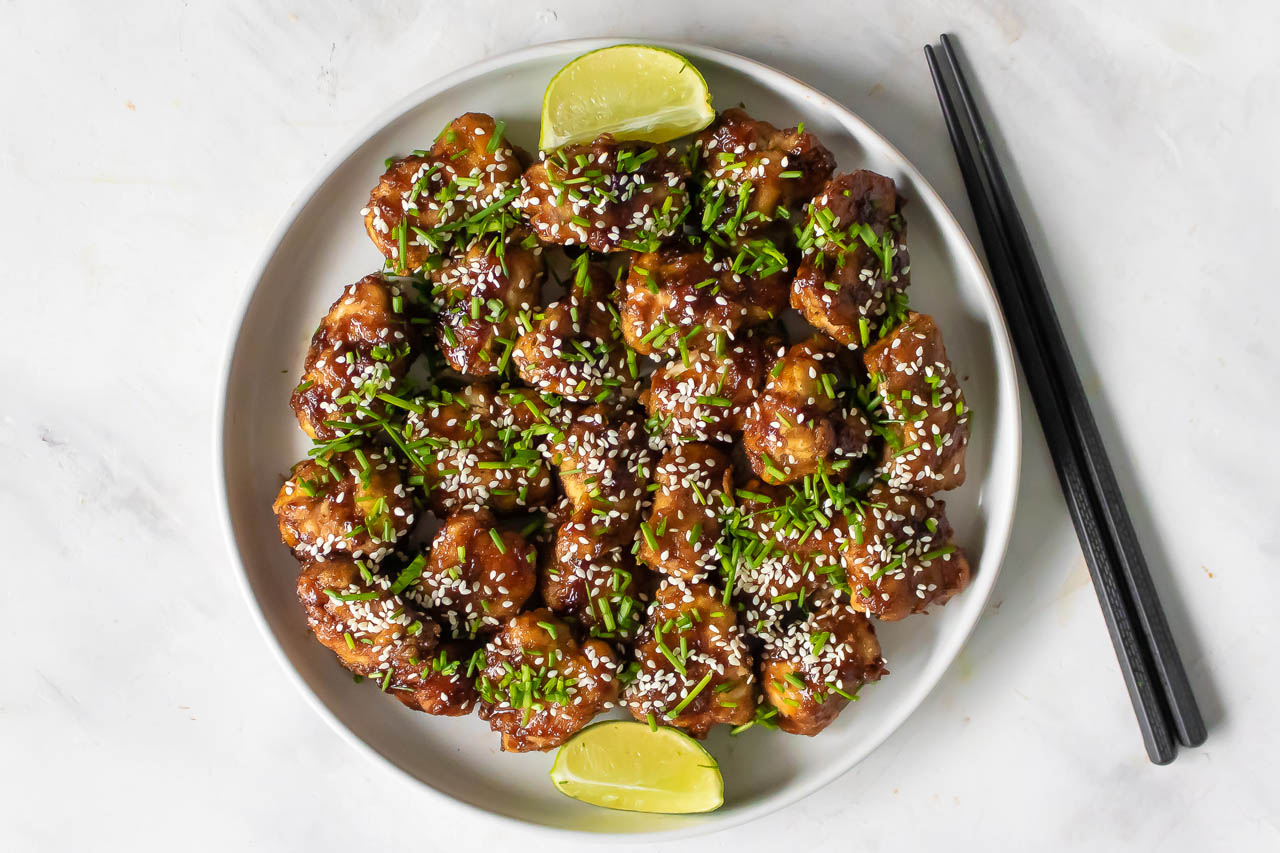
[[1187, 721], [1082, 468]]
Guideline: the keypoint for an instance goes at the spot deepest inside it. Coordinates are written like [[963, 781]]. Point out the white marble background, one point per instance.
[[146, 151]]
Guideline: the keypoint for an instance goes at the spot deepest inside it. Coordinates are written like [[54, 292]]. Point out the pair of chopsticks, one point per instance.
[[1153, 672]]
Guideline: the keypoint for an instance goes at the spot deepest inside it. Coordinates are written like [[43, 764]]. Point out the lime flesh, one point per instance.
[[633, 91], [628, 766]]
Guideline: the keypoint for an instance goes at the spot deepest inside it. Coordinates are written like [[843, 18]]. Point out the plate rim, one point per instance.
[[1006, 387]]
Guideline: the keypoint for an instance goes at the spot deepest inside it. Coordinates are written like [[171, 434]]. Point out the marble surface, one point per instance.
[[148, 150]]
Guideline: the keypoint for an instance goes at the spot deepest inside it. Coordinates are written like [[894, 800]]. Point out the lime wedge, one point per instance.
[[629, 766], [634, 91]]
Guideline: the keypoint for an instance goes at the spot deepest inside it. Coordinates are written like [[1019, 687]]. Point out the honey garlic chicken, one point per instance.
[[681, 297], [432, 202], [752, 174], [360, 349], [475, 577], [592, 576], [482, 447], [353, 503], [802, 423], [906, 560], [854, 266], [483, 295], [539, 686], [812, 671], [695, 482], [358, 616], [605, 464], [706, 398], [608, 196], [695, 668], [927, 421], [574, 347]]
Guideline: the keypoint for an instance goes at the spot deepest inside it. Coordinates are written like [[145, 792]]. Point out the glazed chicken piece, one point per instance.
[[352, 503], [777, 171], [927, 421], [695, 484], [906, 560], [445, 689], [816, 668], [433, 202], [854, 269], [360, 349], [695, 668], [605, 464], [361, 618], [482, 447], [683, 298], [486, 296], [707, 399], [574, 348], [475, 576], [801, 423], [592, 576], [538, 686], [608, 196]]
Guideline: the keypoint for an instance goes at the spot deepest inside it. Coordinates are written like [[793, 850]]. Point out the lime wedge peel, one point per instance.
[[628, 766], [633, 91]]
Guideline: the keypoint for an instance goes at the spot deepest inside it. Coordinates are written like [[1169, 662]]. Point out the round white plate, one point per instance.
[[322, 246]]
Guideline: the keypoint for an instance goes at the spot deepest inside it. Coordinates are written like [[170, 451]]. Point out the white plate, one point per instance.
[[322, 246]]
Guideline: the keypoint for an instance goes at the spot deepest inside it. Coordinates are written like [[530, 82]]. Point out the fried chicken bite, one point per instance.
[[927, 421], [539, 686], [592, 576], [854, 269], [706, 399], [605, 464], [608, 196], [695, 484], [752, 174], [695, 668], [475, 575], [476, 447], [360, 348], [574, 347], [353, 503], [813, 670], [802, 423], [431, 202], [682, 298], [906, 560], [483, 295], [360, 617]]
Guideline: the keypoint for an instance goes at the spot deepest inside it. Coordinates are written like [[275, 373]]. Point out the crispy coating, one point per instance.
[[707, 398], [810, 673], [375, 633], [907, 560], [801, 423], [855, 268], [478, 447], [927, 421], [482, 295], [695, 484], [777, 171], [539, 686], [593, 579], [605, 464], [343, 504], [360, 348], [606, 195], [475, 576], [574, 347], [695, 668], [680, 297], [422, 200]]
